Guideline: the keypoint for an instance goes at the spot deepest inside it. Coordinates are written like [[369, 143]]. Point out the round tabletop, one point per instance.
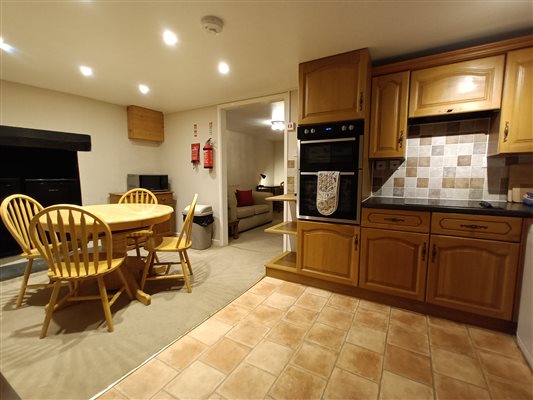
[[123, 217]]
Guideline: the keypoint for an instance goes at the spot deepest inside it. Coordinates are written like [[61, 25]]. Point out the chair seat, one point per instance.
[[90, 271], [166, 243]]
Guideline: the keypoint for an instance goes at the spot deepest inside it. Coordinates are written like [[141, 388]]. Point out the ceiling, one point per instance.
[[262, 41]]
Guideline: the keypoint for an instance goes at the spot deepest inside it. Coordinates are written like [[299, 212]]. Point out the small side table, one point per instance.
[[234, 225]]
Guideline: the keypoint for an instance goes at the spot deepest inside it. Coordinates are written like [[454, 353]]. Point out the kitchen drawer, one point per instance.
[[506, 229], [411, 221], [165, 199]]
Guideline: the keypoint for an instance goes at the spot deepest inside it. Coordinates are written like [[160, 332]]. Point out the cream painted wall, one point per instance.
[[279, 165], [113, 155]]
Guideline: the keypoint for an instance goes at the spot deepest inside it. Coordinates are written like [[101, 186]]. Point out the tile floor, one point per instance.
[[281, 340]]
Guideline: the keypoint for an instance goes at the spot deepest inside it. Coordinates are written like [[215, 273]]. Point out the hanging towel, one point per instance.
[[327, 192]]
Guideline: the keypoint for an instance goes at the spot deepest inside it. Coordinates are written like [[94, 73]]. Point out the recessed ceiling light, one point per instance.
[[170, 38], [223, 68], [144, 89], [86, 71], [6, 47]]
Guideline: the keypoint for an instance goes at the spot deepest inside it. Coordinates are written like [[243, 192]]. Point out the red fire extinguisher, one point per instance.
[[208, 154], [195, 153]]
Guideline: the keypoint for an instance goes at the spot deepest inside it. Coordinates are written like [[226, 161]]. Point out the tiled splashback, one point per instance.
[[446, 161]]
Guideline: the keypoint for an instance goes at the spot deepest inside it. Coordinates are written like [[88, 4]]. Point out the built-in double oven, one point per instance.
[[336, 147]]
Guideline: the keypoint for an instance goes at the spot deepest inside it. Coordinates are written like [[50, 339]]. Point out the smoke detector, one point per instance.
[[212, 24]]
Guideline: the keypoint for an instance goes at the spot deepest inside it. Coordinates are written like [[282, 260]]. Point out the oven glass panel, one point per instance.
[[347, 203], [329, 156]]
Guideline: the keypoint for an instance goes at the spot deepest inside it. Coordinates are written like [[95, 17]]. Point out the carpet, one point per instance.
[[79, 358]]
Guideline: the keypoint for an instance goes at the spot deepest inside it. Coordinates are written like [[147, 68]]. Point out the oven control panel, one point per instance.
[[333, 130]]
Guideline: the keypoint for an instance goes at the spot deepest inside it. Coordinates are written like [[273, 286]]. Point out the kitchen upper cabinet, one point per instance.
[[516, 118], [145, 124], [388, 116], [334, 88], [457, 88], [473, 275], [328, 251]]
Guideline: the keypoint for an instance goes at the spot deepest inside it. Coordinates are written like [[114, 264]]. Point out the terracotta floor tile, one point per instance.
[[248, 333], [457, 366], [326, 336], [250, 300], [495, 341], [112, 394], [294, 383], [154, 371], [263, 288], [225, 355], [505, 389], [315, 358], [265, 315], [408, 339], [232, 314], [279, 301], [270, 356], [360, 361], [318, 292], [408, 364], [273, 281], [364, 336], [163, 395], [508, 368], [335, 318], [373, 319], [197, 381], [370, 305], [247, 382], [291, 289], [451, 340], [210, 331], [287, 334], [409, 320], [182, 353], [216, 396], [344, 385], [448, 388], [344, 303], [444, 323], [311, 301], [397, 387], [300, 316]]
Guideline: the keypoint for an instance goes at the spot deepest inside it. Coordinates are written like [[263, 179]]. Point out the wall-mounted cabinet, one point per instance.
[[145, 124], [334, 88], [388, 116]]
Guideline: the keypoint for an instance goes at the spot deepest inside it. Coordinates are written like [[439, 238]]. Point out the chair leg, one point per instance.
[[147, 266], [125, 282], [185, 273], [137, 249], [26, 277], [188, 262], [50, 308], [105, 303]]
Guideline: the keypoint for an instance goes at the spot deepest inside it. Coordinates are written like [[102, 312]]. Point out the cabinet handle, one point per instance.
[[356, 242], [394, 219], [434, 253], [424, 250], [506, 131], [361, 101], [400, 139], [473, 226]]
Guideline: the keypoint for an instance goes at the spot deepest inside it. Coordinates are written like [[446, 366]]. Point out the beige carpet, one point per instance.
[[79, 357]]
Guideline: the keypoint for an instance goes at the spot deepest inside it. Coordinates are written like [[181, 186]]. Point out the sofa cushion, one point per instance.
[[243, 212], [244, 198], [261, 208]]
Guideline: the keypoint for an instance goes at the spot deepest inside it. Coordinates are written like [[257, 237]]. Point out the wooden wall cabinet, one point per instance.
[[388, 116], [328, 251], [145, 124], [334, 88], [457, 88]]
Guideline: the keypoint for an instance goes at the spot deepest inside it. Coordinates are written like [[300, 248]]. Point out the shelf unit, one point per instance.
[[285, 261]]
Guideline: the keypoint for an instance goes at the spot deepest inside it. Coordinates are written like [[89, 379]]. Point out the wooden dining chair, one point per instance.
[[138, 195], [174, 244], [16, 212], [52, 230]]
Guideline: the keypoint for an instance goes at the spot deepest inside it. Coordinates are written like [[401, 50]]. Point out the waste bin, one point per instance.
[[202, 227]]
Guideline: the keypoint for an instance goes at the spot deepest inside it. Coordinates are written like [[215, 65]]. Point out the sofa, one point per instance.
[[250, 216]]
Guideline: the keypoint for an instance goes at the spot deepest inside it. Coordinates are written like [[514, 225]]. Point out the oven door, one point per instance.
[[329, 155], [348, 202]]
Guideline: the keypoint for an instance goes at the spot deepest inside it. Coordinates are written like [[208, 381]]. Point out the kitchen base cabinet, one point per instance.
[[328, 251], [474, 275], [394, 262]]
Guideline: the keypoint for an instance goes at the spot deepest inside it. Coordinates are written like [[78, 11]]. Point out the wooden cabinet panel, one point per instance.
[[516, 118], [388, 126], [412, 221], [328, 251], [394, 262], [457, 88], [507, 229], [334, 88], [145, 124], [473, 275]]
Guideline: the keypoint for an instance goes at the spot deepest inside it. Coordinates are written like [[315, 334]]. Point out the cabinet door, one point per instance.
[[169, 226], [334, 88], [388, 121], [473, 275], [516, 119], [394, 262], [328, 251], [457, 88], [145, 124]]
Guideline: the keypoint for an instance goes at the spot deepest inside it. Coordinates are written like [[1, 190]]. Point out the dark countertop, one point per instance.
[[501, 208]]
